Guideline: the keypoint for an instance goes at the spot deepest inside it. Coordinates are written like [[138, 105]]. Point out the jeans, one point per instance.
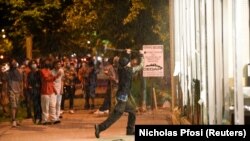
[[69, 92], [118, 111], [37, 104], [28, 102]]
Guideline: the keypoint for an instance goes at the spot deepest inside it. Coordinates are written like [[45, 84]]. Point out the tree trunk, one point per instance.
[[29, 44]]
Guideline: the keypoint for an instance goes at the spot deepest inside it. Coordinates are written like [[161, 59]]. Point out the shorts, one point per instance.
[[14, 99]]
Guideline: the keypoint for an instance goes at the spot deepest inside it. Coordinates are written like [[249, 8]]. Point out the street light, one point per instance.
[[3, 34], [88, 45]]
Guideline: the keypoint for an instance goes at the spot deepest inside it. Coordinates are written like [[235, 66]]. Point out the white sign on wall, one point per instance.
[[153, 61]]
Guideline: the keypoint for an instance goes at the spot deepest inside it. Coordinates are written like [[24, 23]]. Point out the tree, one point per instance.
[[67, 25], [26, 20], [124, 23], [5, 46]]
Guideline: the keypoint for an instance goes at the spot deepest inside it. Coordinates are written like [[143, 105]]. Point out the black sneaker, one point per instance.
[[57, 122], [92, 106], [46, 123], [86, 107], [97, 131], [130, 132]]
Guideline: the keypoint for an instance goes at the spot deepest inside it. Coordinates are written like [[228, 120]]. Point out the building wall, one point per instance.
[[211, 57]]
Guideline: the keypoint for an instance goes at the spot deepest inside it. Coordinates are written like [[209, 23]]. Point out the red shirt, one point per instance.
[[47, 82]]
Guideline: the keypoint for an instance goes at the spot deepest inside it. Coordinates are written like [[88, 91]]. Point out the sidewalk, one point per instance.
[[79, 127]]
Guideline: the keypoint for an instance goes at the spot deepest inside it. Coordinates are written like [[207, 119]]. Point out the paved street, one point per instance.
[[79, 127]]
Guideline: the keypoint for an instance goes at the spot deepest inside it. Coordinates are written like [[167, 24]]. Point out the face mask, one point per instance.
[[33, 66], [47, 65], [15, 65], [68, 65]]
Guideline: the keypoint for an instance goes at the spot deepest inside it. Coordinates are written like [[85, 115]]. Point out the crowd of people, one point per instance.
[[43, 84]]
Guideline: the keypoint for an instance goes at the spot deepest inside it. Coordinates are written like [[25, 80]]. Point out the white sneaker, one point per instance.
[[106, 112], [71, 112], [101, 113], [98, 112], [14, 124], [61, 112]]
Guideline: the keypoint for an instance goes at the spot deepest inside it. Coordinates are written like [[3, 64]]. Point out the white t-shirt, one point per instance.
[[58, 83]]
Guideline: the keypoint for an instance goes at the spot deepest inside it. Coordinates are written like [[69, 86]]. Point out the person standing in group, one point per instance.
[[48, 96], [27, 95], [124, 103], [58, 84], [15, 89], [109, 71], [70, 76], [34, 89], [90, 85], [82, 72]]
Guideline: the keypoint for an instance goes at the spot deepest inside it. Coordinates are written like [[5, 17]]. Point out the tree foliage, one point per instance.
[[67, 25]]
